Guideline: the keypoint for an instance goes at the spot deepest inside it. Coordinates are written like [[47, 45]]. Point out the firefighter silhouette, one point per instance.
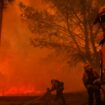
[[58, 87], [100, 19], [92, 82]]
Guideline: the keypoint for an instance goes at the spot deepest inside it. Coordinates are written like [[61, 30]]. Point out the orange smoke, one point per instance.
[[22, 68]]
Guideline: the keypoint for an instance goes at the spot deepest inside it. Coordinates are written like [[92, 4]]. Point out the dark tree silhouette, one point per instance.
[[3, 5], [66, 26]]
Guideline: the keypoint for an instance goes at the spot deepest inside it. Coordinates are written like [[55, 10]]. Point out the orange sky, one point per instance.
[[21, 65]]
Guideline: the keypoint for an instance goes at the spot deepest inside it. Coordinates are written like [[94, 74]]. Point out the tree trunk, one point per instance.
[[1, 16]]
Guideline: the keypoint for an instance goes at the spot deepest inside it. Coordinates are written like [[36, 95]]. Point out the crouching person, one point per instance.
[[58, 87]]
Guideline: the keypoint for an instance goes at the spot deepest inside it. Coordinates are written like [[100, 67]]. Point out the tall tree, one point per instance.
[[66, 26], [3, 4]]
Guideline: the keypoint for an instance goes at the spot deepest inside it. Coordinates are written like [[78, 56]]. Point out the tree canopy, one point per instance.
[[67, 27]]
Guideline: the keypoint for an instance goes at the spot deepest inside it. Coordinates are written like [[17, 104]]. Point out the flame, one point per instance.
[[22, 90]]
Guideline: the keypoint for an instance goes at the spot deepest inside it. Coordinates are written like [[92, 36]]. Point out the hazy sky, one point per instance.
[[23, 65]]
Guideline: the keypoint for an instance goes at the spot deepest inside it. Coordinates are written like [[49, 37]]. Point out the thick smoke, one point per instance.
[[21, 66]]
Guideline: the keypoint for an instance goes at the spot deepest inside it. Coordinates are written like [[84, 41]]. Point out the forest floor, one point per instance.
[[71, 99]]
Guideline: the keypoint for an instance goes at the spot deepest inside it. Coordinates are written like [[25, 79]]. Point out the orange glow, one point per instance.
[[23, 68], [20, 91]]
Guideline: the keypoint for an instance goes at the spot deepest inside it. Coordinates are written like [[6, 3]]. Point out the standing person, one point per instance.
[[101, 20], [91, 81], [58, 86]]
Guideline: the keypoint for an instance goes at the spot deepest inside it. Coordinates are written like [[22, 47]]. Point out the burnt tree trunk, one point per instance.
[[1, 16]]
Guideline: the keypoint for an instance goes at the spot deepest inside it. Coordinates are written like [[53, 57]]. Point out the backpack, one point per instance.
[[60, 86]]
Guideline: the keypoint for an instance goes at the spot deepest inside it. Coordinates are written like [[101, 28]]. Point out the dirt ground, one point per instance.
[[71, 99]]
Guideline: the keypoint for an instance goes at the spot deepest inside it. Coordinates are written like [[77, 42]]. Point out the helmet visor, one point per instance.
[[100, 19]]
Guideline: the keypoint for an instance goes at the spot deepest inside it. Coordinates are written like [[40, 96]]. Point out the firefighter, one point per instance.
[[100, 19], [58, 87], [92, 83]]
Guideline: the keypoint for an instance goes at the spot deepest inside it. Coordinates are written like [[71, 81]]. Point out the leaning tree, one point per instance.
[[67, 27]]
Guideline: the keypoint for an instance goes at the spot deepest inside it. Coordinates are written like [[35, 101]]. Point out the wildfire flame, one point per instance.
[[20, 91]]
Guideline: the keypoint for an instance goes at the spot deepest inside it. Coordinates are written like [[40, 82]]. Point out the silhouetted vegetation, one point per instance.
[[66, 26]]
